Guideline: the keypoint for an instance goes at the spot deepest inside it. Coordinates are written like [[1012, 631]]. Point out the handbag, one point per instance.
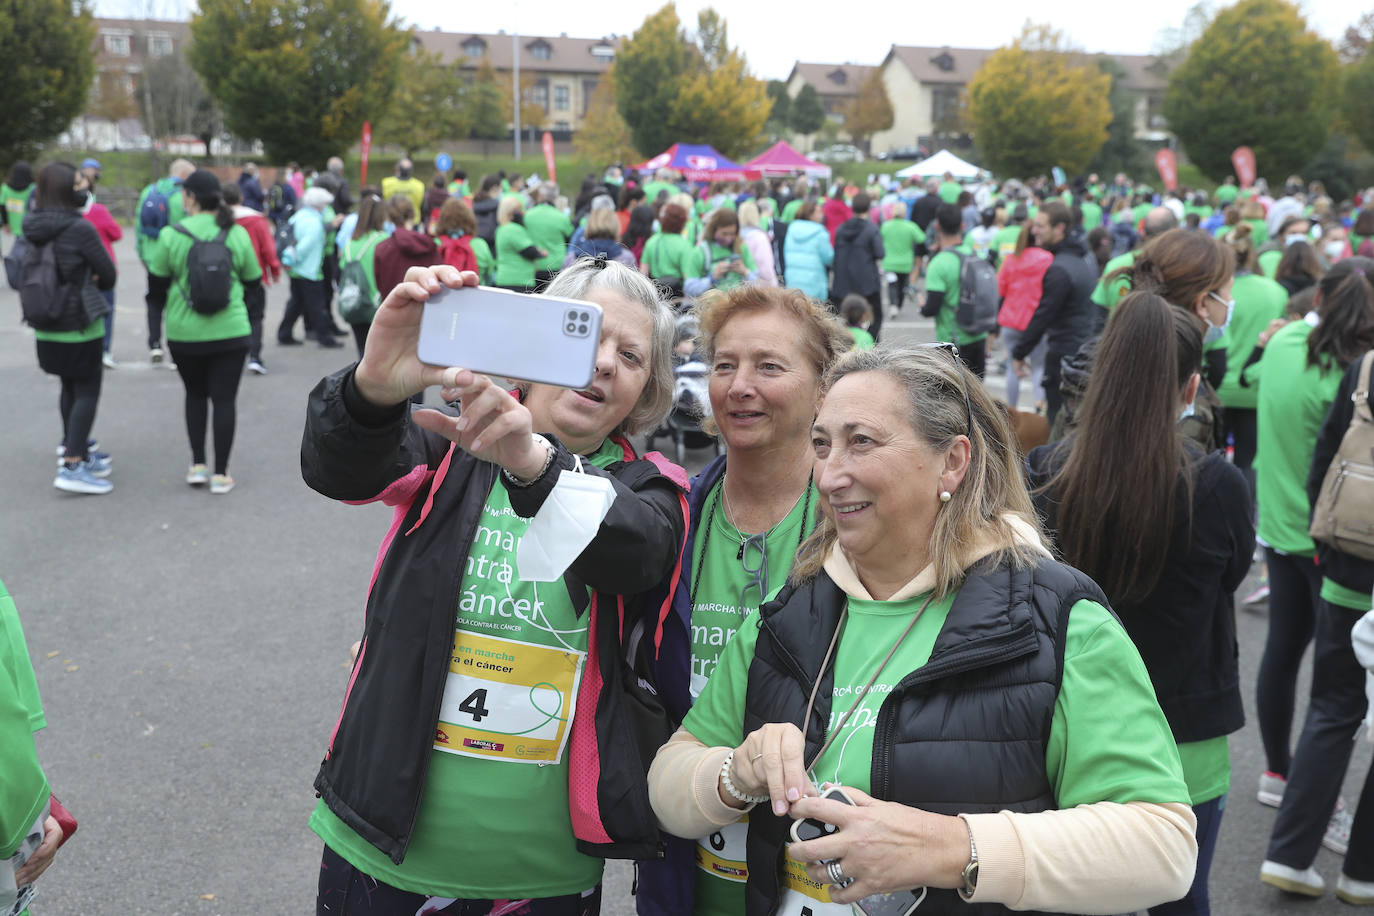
[[1343, 517]]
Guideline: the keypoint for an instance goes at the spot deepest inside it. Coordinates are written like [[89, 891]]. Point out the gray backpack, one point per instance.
[[209, 272], [979, 299]]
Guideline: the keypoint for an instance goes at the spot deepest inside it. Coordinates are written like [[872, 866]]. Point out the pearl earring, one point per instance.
[[945, 496]]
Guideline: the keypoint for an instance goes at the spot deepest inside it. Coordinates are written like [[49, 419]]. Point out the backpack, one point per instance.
[[978, 296], [152, 215], [357, 297], [209, 272], [43, 297], [285, 240], [1343, 517]]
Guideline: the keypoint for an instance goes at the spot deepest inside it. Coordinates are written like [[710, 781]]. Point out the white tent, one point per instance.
[[937, 165]]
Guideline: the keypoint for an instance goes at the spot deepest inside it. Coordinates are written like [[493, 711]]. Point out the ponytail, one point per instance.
[[1346, 330]]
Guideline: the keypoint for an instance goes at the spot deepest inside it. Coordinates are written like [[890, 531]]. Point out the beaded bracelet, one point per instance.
[[730, 786]]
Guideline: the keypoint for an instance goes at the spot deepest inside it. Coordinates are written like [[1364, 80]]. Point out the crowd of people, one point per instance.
[[1003, 650]]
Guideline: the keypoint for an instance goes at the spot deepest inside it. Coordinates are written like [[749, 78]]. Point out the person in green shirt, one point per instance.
[[885, 631], [950, 189], [1226, 194], [667, 252], [549, 228], [150, 222], [368, 232], [1092, 214], [516, 252], [720, 260], [14, 197], [1004, 242], [1116, 281], [405, 182], [209, 345], [1297, 379], [942, 290], [858, 314], [900, 238]]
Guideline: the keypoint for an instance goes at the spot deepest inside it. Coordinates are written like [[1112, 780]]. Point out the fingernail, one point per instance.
[[462, 424], [779, 808], [476, 444], [793, 795]]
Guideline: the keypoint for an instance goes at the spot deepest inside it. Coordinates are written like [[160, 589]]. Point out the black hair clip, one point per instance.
[[599, 262]]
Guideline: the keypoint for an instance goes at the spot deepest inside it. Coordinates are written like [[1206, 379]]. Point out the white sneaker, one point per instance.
[[1306, 881], [893, 312], [108, 361], [155, 355], [1337, 836], [1359, 893], [221, 484], [198, 475], [256, 367], [1271, 786]]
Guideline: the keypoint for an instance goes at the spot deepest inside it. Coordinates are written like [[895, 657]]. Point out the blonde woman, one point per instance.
[[516, 253], [759, 243]]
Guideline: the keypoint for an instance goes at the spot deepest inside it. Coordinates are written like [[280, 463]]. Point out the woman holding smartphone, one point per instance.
[[984, 710], [468, 673]]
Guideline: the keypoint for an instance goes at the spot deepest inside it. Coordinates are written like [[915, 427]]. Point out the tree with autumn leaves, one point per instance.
[[870, 110], [1037, 104], [670, 87]]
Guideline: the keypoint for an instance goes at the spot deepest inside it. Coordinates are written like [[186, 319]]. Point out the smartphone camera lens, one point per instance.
[[571, 328], [572, 316], [582, 329], [583, 317]]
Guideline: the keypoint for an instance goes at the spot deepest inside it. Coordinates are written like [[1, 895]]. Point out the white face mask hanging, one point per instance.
[[564, 526]]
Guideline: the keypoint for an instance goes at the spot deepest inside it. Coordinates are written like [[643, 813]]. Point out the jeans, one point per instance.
[[1196, 902], [1323, 753], [1294, 586], [109, 317], [1010, 338]]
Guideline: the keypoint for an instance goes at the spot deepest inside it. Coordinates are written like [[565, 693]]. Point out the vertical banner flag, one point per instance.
[[1167, 164], [367, 147], [1243, 160], [548, 156]]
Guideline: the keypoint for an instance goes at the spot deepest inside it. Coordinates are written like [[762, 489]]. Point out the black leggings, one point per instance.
[[1294, 590], [210, 378], [77, 405]]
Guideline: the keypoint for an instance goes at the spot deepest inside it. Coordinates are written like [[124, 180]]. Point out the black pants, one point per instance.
[[210, 378], [154, 318], [975, 356], [329, 270], [1244, 430], [1323, 754], [307, 300], [896, 291], [346, 891], [77, 403], [1054, 398], [255, 301], [1294, 590], [360, 336]]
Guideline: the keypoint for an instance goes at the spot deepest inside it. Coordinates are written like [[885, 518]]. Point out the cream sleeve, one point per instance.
[[682, 787]]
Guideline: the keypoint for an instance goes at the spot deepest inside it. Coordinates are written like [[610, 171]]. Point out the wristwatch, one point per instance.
[[970, 874]]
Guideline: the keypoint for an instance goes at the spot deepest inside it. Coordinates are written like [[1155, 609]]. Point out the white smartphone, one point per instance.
[[542, 339]]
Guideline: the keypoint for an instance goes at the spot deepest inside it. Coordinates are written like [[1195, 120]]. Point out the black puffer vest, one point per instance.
[[964, 734]]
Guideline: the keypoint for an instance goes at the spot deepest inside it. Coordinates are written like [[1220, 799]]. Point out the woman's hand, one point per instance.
[[720, 270], [769, 762], [494, 426], [42, 857], [1271, 330], [883, 846], [390, 371]]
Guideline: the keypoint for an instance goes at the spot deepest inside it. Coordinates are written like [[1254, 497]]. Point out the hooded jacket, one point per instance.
[[405, 249], [80, 254], [485, 211], [858, 249], [259, 230], [1066, 314], [251, 189], [807, 252]]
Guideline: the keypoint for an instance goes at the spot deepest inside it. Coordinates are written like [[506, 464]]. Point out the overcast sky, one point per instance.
[[775, 35]]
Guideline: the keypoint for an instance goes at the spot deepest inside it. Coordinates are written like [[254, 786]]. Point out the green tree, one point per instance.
[[299, 75], [1121, 152], [870, 111], [604, 136], [672, 87], [1257, 77], [46, 45], [434, 88], [776, 125], [1036, 104], [172, 101], [806, 114], [1359, 89], [487, 107]]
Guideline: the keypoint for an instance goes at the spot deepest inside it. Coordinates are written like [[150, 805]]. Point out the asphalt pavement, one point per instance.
[[192, 650]]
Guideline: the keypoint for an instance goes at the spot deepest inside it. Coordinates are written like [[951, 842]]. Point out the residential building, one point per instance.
[[560, 74], [836, 84], [122, 49]]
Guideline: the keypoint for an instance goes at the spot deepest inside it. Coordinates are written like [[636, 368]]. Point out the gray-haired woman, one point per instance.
[[987, 715], [468, 673]]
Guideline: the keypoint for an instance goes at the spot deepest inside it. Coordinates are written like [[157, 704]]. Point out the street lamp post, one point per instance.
[[515, 85]]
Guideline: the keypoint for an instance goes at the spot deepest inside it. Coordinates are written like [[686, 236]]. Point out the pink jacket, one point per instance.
[[106, 226], [1019, 282]]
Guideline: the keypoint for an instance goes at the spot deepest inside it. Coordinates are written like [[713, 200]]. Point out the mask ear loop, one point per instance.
[[577, 463]]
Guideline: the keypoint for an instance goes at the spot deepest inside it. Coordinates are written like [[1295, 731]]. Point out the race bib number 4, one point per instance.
[[508, 700]]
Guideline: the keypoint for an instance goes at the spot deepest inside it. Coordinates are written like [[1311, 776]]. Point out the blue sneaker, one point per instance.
[[78, 478], [91, 446]]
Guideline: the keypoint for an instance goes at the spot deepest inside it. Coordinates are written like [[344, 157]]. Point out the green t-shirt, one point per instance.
[[1258, 301], [550, 228], [949, 192], [723, 591], [24, 788], [1293, 402], [942, 276], [1109, 741], [652, 189], [1004, 242], [93, 331], [1092, 215], [1206, 768], [1139, 212], [1260, 231], [1347, 598], [16, 204], [1226, 194], [485, 261], [1108, 293], [493, 821], [789, 212], [513, 268], [176, 212], [696, 263], [1269, 262], [900, 238], [364, 250], [666, 255], [862, 339], [167, 258]]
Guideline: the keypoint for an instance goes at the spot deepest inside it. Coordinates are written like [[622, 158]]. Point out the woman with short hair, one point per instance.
[[516, 252], [758, 242]]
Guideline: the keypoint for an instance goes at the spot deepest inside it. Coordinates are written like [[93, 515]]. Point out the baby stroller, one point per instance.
[[691, 402]]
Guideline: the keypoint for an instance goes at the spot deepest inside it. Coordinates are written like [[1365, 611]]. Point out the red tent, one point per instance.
[[781, 159]]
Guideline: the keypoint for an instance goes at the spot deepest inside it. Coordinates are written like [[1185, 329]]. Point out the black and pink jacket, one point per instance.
[[374, 770]]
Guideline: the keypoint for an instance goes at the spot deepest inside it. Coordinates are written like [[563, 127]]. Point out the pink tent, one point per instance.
[[781, 159]]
